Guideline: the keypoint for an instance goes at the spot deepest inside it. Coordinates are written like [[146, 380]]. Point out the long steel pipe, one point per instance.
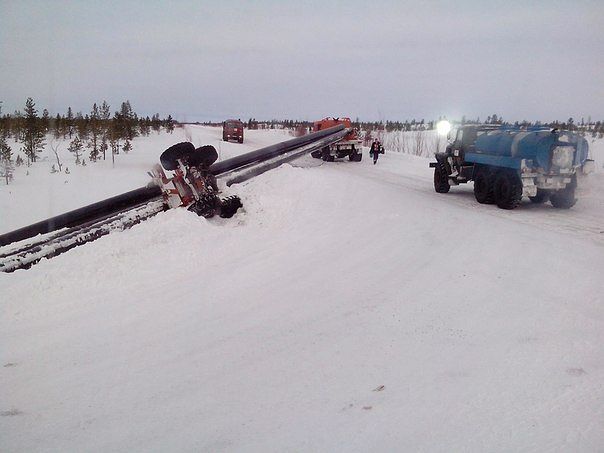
[[129, 199], [271, 151], [84, 214]]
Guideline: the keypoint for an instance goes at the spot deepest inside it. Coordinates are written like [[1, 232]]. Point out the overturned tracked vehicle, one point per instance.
[[508, 163], [193, 184]]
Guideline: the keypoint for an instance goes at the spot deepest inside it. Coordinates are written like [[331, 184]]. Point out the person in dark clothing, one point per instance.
[[376, 150]]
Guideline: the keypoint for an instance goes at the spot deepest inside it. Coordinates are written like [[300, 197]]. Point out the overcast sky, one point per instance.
[[267, 59]]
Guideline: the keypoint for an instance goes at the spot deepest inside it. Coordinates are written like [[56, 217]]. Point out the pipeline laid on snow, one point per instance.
[[271, 151], [242, 174], [90, 222], [81, 215]]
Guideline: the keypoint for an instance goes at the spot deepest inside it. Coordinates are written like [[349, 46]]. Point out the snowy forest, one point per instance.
[[95, 136]]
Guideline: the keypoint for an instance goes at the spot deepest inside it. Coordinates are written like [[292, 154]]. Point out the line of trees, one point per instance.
[[589, 127], [97, 132]]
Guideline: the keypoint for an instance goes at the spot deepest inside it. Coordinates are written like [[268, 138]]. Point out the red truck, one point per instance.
[[232, 130]]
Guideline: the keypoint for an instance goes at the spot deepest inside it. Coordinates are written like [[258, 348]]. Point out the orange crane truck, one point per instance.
[[350, 145]]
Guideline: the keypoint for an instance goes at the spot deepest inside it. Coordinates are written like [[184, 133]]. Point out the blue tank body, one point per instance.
[[535, 145]]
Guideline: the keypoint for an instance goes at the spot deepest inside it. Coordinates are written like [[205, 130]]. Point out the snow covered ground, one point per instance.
[[348, 308]]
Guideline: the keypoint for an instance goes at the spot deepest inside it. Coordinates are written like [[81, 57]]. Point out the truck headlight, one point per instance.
[[563, 156]]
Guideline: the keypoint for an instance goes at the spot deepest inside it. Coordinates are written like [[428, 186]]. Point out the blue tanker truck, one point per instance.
[[509, 163]]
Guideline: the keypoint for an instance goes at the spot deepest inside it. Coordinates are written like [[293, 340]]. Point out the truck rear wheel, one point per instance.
[[326, 155], [441, 178], [483, 187], [508, 190], [565, 198], [355, 157]]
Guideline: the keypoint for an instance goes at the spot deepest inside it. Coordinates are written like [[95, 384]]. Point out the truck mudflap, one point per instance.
[[589, 166], [529, 189]]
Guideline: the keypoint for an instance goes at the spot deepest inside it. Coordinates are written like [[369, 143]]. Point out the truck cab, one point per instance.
[[462, 139], [232, 130]]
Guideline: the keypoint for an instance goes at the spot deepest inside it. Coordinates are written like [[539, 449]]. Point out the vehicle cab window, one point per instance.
[[451, 135], [459, 138]]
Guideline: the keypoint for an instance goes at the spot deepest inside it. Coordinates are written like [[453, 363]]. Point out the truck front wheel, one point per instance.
[[508, 190], [441, 178], [483, 187], [565, 198]]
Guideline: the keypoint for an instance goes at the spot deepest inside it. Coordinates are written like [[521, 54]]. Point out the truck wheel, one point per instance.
[[229, 206], [355, 157], [483, 187], [508, 190], [203, 156], [240, 140], [441, 178], [316, 154], [169, 158], [327, 157], [541, 197], [565, 198]]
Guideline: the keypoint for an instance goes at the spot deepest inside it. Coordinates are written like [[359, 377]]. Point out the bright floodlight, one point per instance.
[[443, 127]]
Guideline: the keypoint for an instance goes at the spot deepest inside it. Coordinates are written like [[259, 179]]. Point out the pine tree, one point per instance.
[[115, 149], [75, 147], [6, 161], [45, 121], [169, 124], [145, 126], [32, 136], [58, 126], [81, 125], [103, 147], [127, 146], [125, 122], [156, 123], [69, 123], [95, 132], [104, 116]]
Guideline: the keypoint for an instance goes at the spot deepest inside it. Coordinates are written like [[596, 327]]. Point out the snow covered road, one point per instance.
[[349, 308]]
